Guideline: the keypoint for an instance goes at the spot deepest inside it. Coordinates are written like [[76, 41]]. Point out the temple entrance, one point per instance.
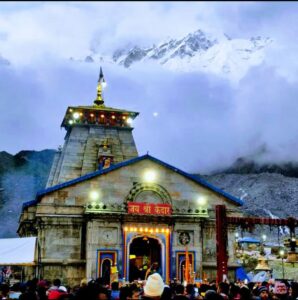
[[144, 251]]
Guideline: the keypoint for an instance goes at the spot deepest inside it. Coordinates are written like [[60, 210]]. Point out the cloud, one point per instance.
[[203, 122]]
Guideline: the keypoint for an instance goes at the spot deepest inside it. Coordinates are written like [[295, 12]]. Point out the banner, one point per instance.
[[149, 209]]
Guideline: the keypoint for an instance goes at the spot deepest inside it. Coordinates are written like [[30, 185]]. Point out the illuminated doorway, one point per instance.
[[143, 252]]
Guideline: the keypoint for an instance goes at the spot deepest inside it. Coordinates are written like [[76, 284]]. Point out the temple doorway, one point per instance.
[[143, 252]]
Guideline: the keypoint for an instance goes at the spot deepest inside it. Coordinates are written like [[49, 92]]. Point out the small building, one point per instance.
[[108, 212]]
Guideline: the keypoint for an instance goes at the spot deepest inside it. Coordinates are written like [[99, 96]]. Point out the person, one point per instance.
[[154, 287], [263, 292], [180, 293], [56, 290], [190, 291], [153, 269], [115, 293], [166, 294], [223, 290], [4, 291], [134, 272]]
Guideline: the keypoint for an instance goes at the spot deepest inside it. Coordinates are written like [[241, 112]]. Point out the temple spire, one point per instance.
[[100, 85]]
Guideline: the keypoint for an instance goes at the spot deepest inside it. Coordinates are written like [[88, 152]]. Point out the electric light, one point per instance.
[[70, 122], [102, 116], [167, 230], [70, 109], [146, 229], [129, 120], [156, 230], [76, 115], [141, 229], [123, 117], [131, 229], [281, 252], [162, 230], [104, 84], [81, 114], [91, 115], [149, 176], [236, 235], [264, 237], [202, 200], [293, 239], [94, 195], [135, 229], [151, 230], [113, 117], [125, 228]]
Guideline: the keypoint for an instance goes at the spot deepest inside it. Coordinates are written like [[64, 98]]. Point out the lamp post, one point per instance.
[[282, 255]]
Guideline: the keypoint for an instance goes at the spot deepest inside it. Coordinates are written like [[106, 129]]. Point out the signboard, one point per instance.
[[149, 209]]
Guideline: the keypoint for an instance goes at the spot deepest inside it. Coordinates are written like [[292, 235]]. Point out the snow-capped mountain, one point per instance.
[[224, 56]]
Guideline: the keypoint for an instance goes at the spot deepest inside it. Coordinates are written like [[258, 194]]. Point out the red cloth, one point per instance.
[[55, 294]]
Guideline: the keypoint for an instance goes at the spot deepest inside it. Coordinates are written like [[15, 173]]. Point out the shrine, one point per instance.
[[108, 212]]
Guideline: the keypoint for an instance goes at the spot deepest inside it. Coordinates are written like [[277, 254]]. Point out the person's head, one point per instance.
[[4, 289], [190, 289], [57, 282], [263, 292], [103, 294], [115, 286], [212, 295], [245, 293], [223, 287], [166, 294], [154, 286], [179, 289]]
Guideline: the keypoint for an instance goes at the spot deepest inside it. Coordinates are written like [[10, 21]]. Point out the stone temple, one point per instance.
[[108, 212]]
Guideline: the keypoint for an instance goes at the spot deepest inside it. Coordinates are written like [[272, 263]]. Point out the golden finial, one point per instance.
[[100, 85]]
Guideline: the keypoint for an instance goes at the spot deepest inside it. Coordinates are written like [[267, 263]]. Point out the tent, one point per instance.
[[17, 251]]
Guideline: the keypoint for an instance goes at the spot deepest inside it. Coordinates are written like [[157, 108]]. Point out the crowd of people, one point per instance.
[[152, 288]]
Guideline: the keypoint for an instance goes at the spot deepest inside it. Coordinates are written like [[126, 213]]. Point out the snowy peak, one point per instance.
[[196, 52], [163, 52]]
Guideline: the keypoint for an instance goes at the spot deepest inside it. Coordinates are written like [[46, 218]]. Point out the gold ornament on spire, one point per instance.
[[100, 85]]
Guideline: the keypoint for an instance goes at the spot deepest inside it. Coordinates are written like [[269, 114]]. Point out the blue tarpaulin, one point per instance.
[[241, 274], [248, 240]]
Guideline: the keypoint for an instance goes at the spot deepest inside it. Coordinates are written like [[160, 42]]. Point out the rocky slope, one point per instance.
[[21, 176], [267, 190]]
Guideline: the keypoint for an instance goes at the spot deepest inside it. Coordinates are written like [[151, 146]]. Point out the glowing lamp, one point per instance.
[[132, 256], [129, 121], [202, 200], [146, 229], [94, 195], [102, 116], [70, 122], [167, 230], [123, 117], [281, 253], [125, 228], [91, 115], [104, 84], [76, 115], [149, 176], [264, 237], [236, 235], [70, 109], [113, 117], [131, 229]]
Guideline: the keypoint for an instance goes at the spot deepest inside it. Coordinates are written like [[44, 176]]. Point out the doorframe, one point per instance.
[[164, 241]]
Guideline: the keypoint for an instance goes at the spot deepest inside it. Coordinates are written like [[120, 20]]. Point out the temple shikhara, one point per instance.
[[109, 212]]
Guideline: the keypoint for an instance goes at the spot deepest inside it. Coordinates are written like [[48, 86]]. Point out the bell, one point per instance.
[[262, 264]]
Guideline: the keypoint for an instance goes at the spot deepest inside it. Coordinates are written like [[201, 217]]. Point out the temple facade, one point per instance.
[[108, 212]]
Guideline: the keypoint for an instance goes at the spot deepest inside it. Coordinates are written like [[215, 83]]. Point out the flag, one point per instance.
[[186, 275]]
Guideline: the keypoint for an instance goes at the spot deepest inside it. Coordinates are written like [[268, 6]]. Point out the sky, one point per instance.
[[204, 122]]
